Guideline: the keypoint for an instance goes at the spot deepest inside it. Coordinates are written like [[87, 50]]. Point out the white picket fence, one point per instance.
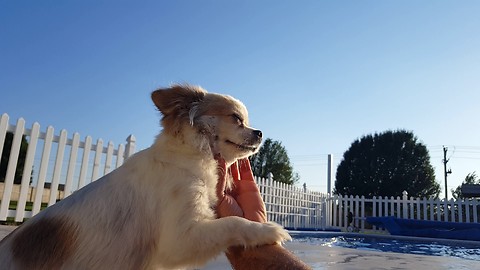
[[293, 207], [66, 164], [462, 210], [87, 161], [288, 205]]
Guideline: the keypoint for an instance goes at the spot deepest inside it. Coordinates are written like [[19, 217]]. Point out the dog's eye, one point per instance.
[[238, 119]]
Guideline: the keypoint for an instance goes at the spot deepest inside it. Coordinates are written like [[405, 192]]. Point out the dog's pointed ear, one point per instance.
[[176, 103], [177, 99]]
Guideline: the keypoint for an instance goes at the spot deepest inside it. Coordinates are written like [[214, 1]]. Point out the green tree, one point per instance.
[[471, 178], [7, 145], [272, 157], [386, 164]]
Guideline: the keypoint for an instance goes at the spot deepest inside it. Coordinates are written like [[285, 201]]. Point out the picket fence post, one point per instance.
[[130, 147], [405, 204]]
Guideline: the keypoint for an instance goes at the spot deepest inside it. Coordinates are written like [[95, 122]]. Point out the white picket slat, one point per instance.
[[11, 168], [86, 156], [3, 130], [452, 209], [27, 173], [108, 159], [459, 210], [57, 169], [467, 213], [130, 147], [42, 174], [474, 210], [72, 162], [96, 160], [120, 153]]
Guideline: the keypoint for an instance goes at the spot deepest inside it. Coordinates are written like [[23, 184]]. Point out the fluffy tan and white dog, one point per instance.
[[156, 211]]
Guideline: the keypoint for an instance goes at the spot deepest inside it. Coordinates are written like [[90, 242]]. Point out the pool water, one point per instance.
[[461, 249]]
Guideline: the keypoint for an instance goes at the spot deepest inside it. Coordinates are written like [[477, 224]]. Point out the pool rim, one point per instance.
[[384, 236]]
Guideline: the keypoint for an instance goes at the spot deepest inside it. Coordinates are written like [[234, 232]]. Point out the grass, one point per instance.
[[13, 206], [28, 206]]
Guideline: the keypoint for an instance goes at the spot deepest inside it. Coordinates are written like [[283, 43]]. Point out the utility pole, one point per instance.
[[445, 161], [329, 174]]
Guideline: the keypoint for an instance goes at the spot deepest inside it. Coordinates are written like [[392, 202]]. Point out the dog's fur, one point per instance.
[[157, 210]]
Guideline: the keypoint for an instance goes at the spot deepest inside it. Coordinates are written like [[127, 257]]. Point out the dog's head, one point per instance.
[[220, 119]]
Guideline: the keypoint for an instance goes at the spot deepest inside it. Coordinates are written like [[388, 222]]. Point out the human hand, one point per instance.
[[227, 205], [244, 199]]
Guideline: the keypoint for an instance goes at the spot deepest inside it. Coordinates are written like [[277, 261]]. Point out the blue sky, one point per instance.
[[315, 75]]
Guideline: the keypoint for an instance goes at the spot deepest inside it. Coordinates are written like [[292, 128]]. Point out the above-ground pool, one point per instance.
[[410, 245]]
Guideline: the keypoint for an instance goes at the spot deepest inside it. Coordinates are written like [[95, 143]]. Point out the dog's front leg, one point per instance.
[[208, 238]]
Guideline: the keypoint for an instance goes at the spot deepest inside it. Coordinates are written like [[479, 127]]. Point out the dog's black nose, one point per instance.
[[258, 133]]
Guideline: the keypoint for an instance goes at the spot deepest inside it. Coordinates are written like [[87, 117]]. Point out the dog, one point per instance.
[[157, 210]]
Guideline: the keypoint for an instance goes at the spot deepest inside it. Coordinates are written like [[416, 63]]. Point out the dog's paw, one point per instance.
[[278, 233], [268, 233]]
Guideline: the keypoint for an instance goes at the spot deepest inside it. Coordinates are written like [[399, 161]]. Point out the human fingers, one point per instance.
[[234, 172], [251, 202], [222, 177], [245, 170]]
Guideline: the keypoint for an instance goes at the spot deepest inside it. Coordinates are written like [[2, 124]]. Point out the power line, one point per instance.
[[468, 158], [309, 165]]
